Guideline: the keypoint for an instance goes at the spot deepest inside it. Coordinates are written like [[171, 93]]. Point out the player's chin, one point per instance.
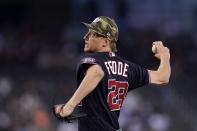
[[86, 49]]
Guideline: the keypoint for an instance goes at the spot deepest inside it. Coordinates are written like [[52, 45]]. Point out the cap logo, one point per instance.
[[108, 34], [97, 20]]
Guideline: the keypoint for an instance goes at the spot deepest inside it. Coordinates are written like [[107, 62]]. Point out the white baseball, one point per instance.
[[154, 49]]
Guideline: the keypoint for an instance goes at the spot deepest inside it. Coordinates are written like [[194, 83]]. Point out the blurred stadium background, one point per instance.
[[40, 42]]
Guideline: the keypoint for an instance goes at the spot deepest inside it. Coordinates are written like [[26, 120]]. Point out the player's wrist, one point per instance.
[[71, 104], [165, 56]]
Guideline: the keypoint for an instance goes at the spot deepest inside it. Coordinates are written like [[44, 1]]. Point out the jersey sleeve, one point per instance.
[[138, 76]]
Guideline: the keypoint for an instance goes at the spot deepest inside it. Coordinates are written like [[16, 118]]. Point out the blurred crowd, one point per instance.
[[40, 43]]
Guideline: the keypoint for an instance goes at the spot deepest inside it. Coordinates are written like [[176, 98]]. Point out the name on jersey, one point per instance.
[[117, 68]]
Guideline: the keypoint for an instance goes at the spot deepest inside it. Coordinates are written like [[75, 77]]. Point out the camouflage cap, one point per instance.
[[104, 26]]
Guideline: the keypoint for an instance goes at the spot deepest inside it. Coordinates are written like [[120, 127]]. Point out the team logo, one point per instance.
[[108, 34], [88, 60], [97, 20]]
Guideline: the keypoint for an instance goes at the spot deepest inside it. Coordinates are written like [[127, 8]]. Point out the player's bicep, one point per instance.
[[95, 71], [94, 75]]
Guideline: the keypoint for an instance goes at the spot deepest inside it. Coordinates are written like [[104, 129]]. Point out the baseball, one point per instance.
[[154, 49]]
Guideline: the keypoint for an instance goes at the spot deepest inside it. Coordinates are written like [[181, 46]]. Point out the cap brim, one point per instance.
[[87, 25]]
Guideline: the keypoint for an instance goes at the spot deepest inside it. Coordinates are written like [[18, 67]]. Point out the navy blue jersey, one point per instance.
[[103, 104]]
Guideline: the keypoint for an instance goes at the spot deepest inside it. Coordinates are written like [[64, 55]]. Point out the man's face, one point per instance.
[[93, 42]]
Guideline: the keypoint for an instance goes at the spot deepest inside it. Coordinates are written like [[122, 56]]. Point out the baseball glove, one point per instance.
[[68, 119]]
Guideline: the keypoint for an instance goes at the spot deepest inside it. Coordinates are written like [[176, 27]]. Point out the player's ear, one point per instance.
[[108, 42]]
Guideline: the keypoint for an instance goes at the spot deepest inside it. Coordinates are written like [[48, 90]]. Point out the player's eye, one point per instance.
[[98, 35], [94, 34], [91, 33]]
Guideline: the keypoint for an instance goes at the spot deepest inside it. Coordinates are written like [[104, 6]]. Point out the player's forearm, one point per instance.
[[164, 70], [162, 74], [89, 83]]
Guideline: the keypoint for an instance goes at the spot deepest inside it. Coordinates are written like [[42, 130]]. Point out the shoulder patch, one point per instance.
[[88, 60]]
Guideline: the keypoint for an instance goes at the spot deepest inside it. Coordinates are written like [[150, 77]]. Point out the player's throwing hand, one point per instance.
[[160, 50]]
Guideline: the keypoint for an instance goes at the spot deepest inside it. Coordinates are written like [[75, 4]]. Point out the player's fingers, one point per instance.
[[63, 113], [58, 108], [158, 43], [154, 43], [157, 56], [166, 48]]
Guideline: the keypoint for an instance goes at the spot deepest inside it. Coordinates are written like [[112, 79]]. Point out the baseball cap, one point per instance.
[[104, 26]]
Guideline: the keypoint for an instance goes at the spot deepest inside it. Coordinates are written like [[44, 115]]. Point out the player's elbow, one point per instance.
[[166, 77], [160, 82], [163, 80], [159, 78]]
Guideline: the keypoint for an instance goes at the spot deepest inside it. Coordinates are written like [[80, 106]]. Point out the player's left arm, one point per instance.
[[94, 75], [162, 74]]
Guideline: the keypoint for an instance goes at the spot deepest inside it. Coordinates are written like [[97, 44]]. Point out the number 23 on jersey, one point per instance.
[[117, 91]]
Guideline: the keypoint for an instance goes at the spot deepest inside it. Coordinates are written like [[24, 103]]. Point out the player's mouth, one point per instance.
[[86, 47], [86, 44]]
